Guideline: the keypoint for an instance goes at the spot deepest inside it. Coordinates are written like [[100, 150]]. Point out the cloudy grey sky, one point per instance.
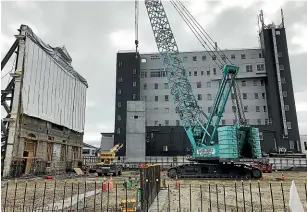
[[93, 32]]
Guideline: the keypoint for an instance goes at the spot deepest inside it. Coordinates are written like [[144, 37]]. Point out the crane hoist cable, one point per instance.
[[206, 41], [136, 22]]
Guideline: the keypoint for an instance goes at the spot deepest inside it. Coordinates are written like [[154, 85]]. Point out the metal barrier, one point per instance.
[[150, 177]]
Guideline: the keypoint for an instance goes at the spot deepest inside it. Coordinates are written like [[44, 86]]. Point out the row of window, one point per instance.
[[223, 122], [161, 73], [204, 57]]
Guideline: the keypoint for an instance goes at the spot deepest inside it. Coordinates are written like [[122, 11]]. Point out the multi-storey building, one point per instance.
[[265, 87]]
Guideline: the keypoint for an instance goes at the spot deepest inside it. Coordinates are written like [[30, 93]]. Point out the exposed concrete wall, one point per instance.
[[135, 131]]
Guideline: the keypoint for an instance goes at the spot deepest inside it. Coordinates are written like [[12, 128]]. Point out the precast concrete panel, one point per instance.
[[51, 91], [135, 131]]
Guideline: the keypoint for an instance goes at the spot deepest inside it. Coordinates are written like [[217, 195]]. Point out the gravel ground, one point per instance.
[[194, 194]]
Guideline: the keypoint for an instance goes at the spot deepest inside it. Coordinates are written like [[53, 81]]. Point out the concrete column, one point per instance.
[[14, 131]]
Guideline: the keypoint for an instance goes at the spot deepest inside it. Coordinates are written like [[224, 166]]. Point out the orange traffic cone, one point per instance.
[[177, 183], [104, 186], [110, 183]]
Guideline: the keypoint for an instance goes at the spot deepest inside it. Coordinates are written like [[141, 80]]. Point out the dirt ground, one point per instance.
[[195, 195]]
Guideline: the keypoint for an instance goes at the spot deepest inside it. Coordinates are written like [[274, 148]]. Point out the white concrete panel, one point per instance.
[[50, 92]]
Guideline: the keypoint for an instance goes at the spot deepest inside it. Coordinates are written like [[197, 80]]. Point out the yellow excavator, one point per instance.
[[106, 163]]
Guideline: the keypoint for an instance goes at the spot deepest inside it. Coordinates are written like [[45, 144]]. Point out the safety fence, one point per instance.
[[203, 196], [299, 164], [32, 167], [150, 178]]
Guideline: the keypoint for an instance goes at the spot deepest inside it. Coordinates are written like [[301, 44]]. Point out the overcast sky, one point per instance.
[[93, 32]]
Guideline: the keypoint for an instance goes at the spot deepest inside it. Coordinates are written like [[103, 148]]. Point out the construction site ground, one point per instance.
[[51, 193]]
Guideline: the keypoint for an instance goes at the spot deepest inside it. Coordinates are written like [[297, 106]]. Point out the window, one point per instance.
[[281, 67], [264, 108], [258, 121], [243, 83], [289, 125], [195, 73], [223, 122], [234, 109], [156, 123], [245, 108], [119, 104], [262, 82], [156, 86], [223, 57], [209, 109], [119, 91], [118, 131], [291, 144], [194, 58], [233, 56], [255, 82], [249, 68], [156, 98], [143, 60], [203, 58], [286, 107], [214, 71], [134, 84], [86, 151], [166, 122], [199, 97], [277, 32], [120, 64], [256, 95], [134, 96], [257, 108], [143, 74], [279, 54], [213, 57], [209, 97], [260, 67], [120, 79], [145, 86], [177, 123], [305, 145], [284, 93], [266, 121], [260, 55], [166, 98], [244, 95], [134, 71], [202, 73], [208, 84], [166, 86], [166, 110], [119, 118], [185, 59], [242, 56], [283, 80], [190, 73], [263, 95], [198, 84], [156, 110], [208, 73]]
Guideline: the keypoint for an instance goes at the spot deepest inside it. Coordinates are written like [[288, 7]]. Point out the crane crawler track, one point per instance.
[[214, 171]]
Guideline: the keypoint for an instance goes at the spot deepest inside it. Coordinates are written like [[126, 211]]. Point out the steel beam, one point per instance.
[[9, 53], [13, 126]]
